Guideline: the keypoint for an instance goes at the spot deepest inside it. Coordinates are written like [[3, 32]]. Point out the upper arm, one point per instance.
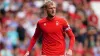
[[37, 31], [66, 26]]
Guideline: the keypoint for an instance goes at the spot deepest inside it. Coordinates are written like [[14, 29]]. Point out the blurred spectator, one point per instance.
[[80, 31], [5, 52], [96, 49], [6, 41], [71, 7], [12, 35], [21, 31], [78, 49], [93, 20], [91, 41], [18, 20]]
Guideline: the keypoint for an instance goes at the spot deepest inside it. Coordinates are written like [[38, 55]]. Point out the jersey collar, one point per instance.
[[50, 19]]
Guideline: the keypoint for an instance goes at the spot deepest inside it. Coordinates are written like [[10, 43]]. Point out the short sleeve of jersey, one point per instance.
[[66, 26]]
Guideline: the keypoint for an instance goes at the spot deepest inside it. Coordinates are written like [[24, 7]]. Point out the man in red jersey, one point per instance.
[[52, 28]]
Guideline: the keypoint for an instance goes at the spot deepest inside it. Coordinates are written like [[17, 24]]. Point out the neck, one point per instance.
[[50, 17]]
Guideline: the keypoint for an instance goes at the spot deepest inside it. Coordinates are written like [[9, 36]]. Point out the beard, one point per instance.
[[50, 15]]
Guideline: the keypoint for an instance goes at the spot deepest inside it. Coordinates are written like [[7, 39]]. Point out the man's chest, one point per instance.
[[52, 26]]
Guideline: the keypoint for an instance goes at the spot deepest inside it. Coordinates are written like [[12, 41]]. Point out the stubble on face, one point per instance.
[[51, 9]]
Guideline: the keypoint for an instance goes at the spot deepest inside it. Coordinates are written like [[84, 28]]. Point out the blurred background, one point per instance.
[[18, 20]]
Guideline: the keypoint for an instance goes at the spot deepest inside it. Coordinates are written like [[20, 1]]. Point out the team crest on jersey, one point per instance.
[[44, 24], [57, 23]]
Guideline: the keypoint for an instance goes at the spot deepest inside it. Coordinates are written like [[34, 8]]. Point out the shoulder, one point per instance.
[[41, 20], [61, 19]]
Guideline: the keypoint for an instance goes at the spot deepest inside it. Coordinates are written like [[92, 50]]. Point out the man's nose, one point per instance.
[[53, 9]]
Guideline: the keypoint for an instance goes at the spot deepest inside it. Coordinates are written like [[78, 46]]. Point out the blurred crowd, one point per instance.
[[18, 20]]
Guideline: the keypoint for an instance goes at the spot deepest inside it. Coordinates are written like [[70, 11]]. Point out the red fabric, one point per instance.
[[53, 42], [95, 0], [75, 16], [93, 19], [5, 19], [77, 1]]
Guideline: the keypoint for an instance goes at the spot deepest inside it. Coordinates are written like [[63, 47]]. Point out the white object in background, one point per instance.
[[65, 5], [95, 5], [38, 3], [21, 14]]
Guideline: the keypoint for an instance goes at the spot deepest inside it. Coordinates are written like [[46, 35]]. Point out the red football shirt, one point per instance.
[[53, 42]]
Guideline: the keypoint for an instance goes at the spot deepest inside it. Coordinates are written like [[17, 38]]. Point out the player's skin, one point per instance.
[[51, 12]]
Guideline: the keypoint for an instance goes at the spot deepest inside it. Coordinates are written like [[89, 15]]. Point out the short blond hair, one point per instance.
[[49, 3]]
